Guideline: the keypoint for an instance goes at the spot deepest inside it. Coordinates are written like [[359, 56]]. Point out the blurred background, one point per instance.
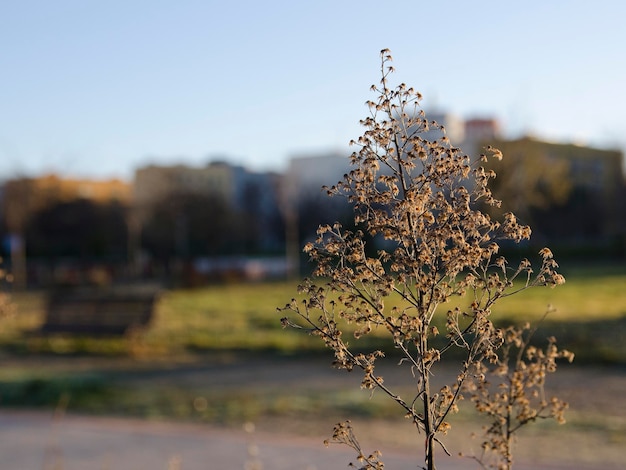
[[160, 170]]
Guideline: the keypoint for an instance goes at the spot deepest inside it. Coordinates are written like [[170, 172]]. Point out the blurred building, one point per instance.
[[304, 203], [306, 174], [251, 196], [453, 125], [232, 183], [154, 184], [479, 132]]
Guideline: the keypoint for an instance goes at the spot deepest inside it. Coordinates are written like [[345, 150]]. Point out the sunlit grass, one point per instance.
[[244, 317], [237, 316], [579, 299]]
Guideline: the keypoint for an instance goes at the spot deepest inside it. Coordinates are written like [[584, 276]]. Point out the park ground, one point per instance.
[[216, 360], [290, 437]]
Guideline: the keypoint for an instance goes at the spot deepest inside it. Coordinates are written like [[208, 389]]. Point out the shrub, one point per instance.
[[423, 239]]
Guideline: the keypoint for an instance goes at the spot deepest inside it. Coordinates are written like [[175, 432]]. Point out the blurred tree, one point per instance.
[[317, 209], [185, 225], [529, 179], [78, 229], [582, 221], [262, 224], [312, 211], [571, 194]]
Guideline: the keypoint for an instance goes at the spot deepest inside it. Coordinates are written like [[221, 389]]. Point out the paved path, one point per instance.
[[37, 440]]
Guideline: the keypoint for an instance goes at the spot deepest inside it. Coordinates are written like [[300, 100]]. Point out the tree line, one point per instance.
[[573, 218]]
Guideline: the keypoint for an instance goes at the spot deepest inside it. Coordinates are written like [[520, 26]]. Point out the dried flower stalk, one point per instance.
[[516, 395], [421, 241]]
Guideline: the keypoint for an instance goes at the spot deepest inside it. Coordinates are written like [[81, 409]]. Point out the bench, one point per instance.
[[100, 311]]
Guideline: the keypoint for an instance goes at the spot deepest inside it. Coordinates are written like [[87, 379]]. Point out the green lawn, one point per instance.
[[590, 315], [587, 295]]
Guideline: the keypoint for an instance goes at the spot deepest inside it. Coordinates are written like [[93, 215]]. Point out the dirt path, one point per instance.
[[595, 436], [41, 441]]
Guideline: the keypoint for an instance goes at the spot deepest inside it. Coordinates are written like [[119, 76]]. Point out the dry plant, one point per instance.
[[518, 395], [421, 241]]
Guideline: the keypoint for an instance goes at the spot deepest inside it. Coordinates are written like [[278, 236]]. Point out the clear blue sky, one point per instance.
[[98, 88]]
